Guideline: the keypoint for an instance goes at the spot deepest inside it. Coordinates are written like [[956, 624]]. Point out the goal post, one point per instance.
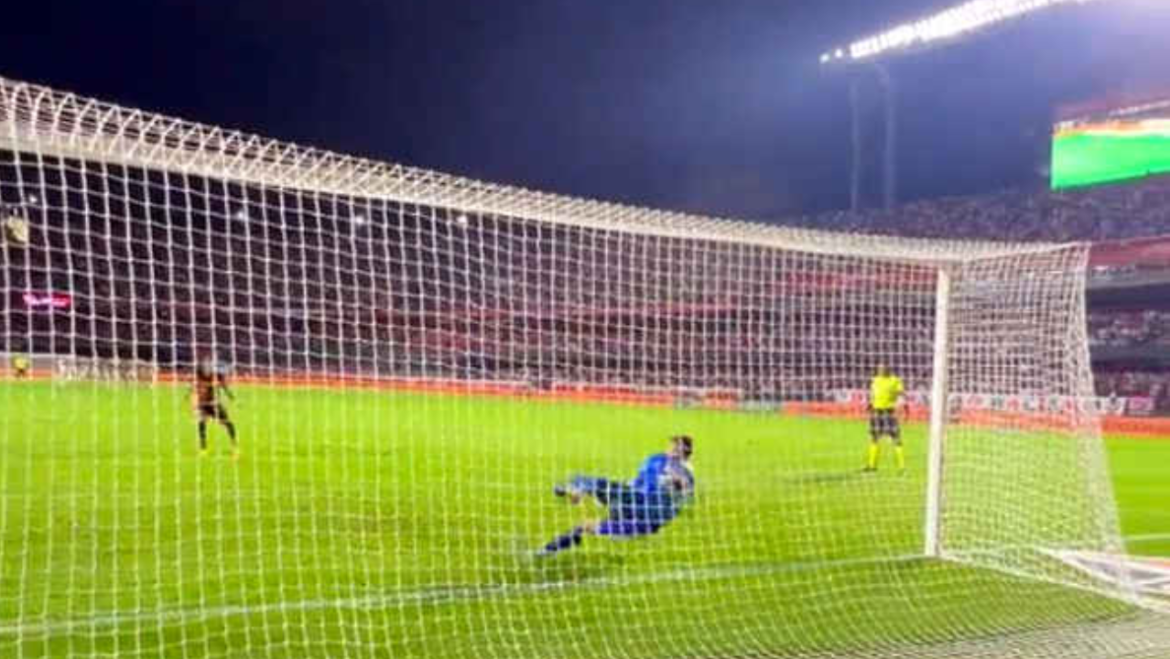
[[448, 394], [1012, 423], [939, 405]]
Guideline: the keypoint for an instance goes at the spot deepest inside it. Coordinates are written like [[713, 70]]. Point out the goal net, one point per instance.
[[444, 391]]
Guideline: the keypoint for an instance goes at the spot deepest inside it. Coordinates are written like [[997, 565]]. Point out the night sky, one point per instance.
[[715, 106]]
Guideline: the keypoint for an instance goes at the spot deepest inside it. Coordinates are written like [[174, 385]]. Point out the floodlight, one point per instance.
[[950, 23]]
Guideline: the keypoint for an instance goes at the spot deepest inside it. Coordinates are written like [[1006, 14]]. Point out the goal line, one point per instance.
[[437, 594]]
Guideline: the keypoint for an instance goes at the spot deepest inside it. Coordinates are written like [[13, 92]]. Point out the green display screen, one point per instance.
[[1108, 151]]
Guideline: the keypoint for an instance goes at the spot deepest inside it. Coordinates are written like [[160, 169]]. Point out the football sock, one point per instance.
[[565, 541]]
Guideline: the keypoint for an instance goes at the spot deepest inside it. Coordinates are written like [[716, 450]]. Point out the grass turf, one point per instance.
[[371, 524]]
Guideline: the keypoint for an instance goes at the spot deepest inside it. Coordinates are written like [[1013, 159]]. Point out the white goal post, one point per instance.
[[417, 359], [939, 398]]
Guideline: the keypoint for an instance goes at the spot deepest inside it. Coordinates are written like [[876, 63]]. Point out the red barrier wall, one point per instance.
[[1152, 427]]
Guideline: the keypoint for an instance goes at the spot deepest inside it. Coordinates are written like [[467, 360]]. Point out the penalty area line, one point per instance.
[[1147, 537], [427, 595]]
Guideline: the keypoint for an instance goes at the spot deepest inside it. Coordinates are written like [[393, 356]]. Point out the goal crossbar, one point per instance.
[[68, 126]]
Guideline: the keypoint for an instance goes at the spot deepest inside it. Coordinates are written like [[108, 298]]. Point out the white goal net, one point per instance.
[[445, 393]]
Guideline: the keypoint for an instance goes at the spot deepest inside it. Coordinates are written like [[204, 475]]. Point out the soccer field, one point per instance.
[[383, 524]]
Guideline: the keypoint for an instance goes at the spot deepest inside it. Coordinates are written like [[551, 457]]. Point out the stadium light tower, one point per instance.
[[937, 30], [948, 25]]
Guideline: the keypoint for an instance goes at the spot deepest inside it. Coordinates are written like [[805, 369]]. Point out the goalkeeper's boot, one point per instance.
[[568, 491]]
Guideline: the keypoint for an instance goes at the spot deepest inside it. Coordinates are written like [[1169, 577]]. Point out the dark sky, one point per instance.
[[715, 106]]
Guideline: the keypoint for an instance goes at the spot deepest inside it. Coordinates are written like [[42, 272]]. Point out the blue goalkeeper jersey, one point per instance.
[[656, 472]]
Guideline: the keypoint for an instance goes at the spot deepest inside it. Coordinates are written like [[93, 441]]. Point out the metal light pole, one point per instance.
[[890, 175], [855, 173], [890, 153]]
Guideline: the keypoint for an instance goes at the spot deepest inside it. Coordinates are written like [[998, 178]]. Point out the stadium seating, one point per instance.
[[161, 306], [1136, 210]]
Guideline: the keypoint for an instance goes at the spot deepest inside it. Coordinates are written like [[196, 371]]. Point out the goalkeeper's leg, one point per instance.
[[602, 489], [564, 542], [616, 527]]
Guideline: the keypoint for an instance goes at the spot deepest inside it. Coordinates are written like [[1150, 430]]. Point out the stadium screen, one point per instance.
[[1112, 146]]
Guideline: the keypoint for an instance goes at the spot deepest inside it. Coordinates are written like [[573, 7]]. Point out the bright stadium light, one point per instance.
[[956, 21]]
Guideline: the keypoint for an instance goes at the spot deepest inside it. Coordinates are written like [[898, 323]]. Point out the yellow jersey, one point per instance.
[[884, 392]]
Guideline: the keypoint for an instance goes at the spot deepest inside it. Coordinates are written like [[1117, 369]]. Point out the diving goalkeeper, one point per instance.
[[664, 485]]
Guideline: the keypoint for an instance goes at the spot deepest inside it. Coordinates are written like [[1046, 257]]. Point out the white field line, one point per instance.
[[1148, 537], [430, 594], [445, 594]]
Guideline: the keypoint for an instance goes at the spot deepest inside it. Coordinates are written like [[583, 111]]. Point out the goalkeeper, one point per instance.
[[664, 485], [885, 390]]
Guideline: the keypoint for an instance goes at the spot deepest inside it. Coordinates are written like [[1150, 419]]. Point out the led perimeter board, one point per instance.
[[1112, 146]]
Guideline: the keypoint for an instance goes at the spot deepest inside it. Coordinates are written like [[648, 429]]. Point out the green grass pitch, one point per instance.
[[379, 524]]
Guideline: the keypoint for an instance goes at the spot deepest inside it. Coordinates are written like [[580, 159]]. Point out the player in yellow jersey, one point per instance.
[[20, 367], [885, 392]]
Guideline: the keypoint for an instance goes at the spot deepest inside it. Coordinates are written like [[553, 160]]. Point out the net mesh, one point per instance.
[[417, 360]]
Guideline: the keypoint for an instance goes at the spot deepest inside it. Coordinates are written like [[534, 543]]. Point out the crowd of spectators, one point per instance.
[[1116, 212], [1152, 384], [1130, 349], [161, 272], [1129, 329]]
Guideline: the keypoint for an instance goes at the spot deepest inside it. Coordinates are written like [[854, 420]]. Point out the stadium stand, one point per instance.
[[224, 275], [1118, 212], [1124, 329]]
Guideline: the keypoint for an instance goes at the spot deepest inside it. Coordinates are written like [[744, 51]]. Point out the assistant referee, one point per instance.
[[884, 393], [20, 367]]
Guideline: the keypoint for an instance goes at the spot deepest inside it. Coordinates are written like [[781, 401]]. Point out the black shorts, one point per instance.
[[213, 411], [883, 422]]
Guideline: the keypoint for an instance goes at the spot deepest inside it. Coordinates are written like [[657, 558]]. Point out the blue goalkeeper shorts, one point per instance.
[[631, 513]]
